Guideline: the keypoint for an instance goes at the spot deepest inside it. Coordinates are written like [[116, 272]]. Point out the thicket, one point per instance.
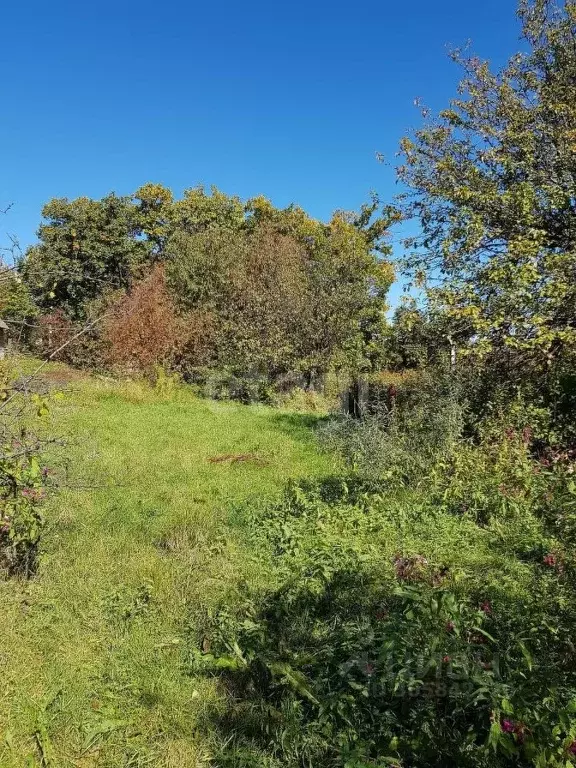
[[420, 609], [237, 296], [24, 479]]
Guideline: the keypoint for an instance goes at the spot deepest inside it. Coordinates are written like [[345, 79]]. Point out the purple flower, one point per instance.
[[507, 726]]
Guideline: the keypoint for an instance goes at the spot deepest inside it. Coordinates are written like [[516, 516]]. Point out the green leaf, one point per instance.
[[296, 680], [101, 729], [484, 633], [526, 653], [494, 735]]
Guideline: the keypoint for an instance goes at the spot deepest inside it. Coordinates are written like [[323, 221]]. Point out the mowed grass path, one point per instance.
[[143, 539]]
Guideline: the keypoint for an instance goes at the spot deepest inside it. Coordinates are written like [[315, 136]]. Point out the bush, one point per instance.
[[402, 438], [54, 338], [21, 493], [355, 655], [22, 480], [142, 330]]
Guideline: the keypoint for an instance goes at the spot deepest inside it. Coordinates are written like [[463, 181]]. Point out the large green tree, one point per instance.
[[492, 183], [86, 248], [282, 292], [287, 292]]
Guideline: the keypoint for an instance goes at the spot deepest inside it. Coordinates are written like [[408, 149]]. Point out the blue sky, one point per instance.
[[289, 100]]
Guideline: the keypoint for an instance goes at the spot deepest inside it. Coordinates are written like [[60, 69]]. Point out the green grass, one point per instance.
[[141, 539]]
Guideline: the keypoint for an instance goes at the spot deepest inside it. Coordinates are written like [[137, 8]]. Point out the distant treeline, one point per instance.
[[206, 283]]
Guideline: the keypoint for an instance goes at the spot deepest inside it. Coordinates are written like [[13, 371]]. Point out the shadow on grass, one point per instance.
[[299, 425]]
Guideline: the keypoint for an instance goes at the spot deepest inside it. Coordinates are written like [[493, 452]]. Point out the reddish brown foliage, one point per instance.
[[55, 330], [143, 329]]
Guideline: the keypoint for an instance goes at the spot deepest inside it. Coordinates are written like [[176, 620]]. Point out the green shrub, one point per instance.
[[21, 523], [494, 480], [305, 401], [23, 480], [376, 641], [402, 439]]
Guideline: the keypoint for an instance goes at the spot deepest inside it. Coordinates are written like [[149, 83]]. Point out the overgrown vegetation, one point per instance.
[[210, 287], [411, 602], [421, 614], [23, 479]]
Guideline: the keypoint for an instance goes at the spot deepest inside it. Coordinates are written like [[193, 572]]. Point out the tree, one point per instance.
[[86, 248], [16, 303], [408, 339], [143, 329], [288, 294], [253, 285], [349, 285], [273, 291], [154, 217], [492, 182], [349, 273], [198, 211]]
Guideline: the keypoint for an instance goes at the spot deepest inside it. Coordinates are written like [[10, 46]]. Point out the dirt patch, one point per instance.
[[65, 376], [47, 381], [238, 458]]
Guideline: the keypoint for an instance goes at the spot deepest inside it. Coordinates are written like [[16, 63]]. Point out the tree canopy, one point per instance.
[[278, 291], [491, 181]]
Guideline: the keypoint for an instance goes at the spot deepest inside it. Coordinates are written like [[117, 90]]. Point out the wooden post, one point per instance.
[[355, 398]]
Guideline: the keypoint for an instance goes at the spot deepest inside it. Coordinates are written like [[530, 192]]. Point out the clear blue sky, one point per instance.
[[290, 100]]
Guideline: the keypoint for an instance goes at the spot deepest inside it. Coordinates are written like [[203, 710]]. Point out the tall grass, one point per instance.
[[138, 540]]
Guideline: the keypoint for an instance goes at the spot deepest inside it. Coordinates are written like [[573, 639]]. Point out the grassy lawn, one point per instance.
[[143, 538]]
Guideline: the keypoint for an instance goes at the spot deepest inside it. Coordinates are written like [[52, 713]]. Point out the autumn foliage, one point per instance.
[[143, 329], [211, 286]]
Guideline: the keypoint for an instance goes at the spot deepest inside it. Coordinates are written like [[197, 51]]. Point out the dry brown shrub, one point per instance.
[[53, 330], [143, 329], [58, 337]]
